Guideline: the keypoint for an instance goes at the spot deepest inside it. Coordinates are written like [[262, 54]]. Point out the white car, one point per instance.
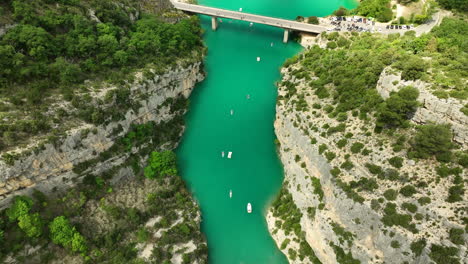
[[403, 27], [380, 30]]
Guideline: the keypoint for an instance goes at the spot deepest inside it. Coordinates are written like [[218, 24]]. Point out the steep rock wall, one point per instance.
[[51, 168]]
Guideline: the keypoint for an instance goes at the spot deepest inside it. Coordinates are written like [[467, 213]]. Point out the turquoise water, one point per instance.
[[254, 174]]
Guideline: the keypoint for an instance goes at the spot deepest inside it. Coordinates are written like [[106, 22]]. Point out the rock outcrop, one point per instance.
[[341, 200], [432, 108], [52, 167]]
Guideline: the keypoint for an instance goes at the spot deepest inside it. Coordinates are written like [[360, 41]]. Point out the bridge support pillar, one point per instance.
[[214, 23], [286, 36]]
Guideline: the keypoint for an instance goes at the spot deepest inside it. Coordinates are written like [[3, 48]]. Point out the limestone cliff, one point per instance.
[[51, 166], [339, 190]]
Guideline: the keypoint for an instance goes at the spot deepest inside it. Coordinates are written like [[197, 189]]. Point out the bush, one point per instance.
[[418, 246], [424, 200], [161, 164], [62, 233], [410, 207], [390, 194], [357, 147], [395, 244], [347, 165], [398, 108], [396, 162], [433, 140], [456, 236], [374, 169], [313, 20], [341, 143], [408, 190], [456, 193], [442, 255]]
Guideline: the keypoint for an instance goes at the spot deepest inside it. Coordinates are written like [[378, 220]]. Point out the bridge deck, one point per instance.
[[271, 21]]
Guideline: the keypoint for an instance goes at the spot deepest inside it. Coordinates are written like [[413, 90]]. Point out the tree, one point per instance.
[[398, 108], [313, 20], [432, 140], [64, 234], [161, 164], [21, 206], [31, 224]]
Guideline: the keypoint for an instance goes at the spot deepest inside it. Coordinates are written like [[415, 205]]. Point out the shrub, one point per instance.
[[424, 200], [398, 108], [347, 165], [396, 162], [62, 233], [456, 236], [313, 20], [391, 218], [442, 255], [410, 207], [341, 143], [390, 194], [408, 190], [322, 148], [456, 193], [357, 147], [433, 140], [330, 155], [395, 244], [374, 169], [418, 246], [161, 164]]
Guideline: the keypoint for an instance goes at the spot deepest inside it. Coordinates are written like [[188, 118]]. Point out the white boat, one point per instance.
[[230, 193], [251, 24], [229, 154], [240, 9], [232, 112], [258, 58], [222, 154], [271, 45], [249, 208], [248, 96]]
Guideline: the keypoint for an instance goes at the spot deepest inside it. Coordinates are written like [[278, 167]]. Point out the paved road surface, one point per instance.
[[276, 22]]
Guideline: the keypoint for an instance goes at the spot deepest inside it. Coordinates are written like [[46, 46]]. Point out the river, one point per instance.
[[237, 82]]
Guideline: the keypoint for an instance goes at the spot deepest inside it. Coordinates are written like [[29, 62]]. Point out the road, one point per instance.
[[271, 21]]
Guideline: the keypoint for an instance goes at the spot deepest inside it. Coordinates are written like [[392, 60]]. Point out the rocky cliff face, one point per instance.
[[339, 195], [432, 109], [51, 167]]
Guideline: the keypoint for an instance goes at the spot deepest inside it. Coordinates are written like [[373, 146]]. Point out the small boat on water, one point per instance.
[[240, 9], [222, 154], [271, 45], [258, 58], [249, 208], [229, 154], [248, 96], [251, 24], [232, 112], [230, 193]]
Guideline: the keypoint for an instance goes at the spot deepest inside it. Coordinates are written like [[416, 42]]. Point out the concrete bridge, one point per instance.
[[215, 13]]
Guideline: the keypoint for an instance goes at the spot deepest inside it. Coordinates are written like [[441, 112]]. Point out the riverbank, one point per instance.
[[366, 196]]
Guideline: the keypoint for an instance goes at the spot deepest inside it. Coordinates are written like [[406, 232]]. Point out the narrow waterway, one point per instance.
[[237, 82]]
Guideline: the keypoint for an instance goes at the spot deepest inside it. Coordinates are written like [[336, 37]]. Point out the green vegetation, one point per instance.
[[396, 162], [285, 209], [161, 164], [390, 194], [408, 190], [398, 108], [379, 9], [410, 207], [442, 254], [55, 47], [456, 236], [392, 218], [418, 246], [433, 140], [62, 233], [357, 147]]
